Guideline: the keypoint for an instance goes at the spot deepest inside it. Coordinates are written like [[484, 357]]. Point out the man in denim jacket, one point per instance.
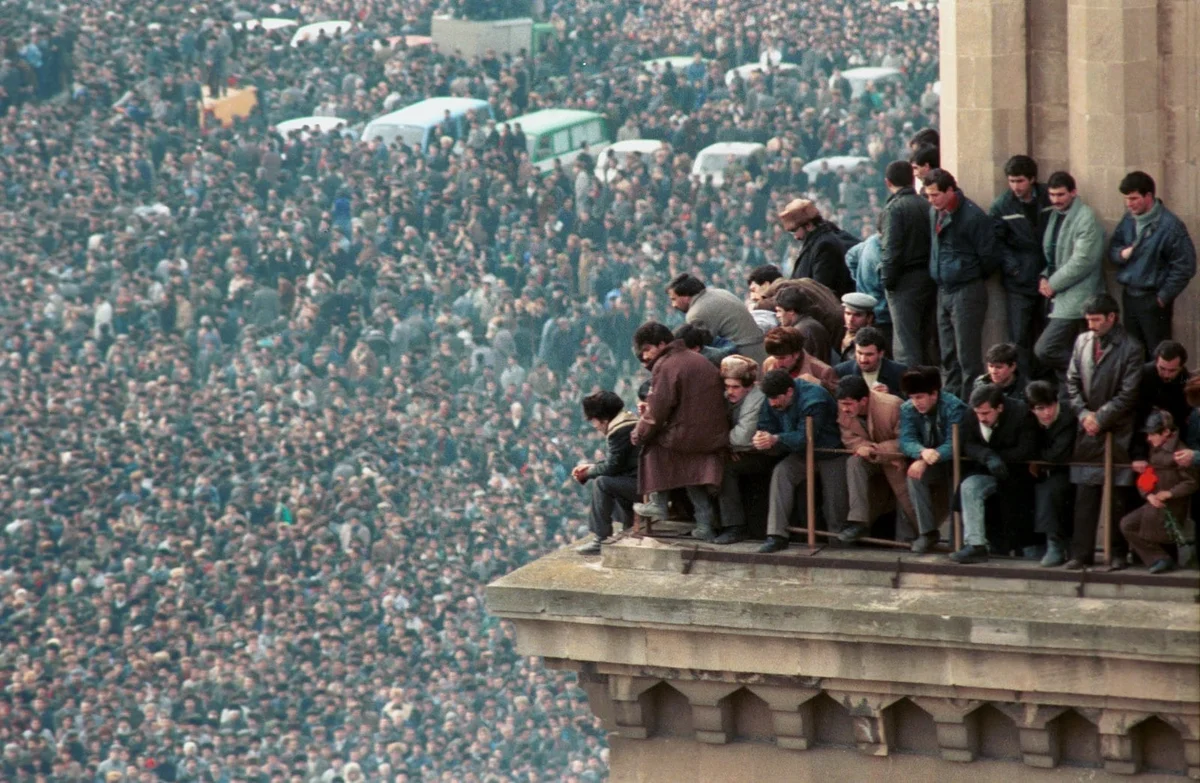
[[1155, 259]]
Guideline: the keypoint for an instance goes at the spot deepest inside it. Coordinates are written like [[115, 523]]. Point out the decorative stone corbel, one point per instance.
[[873, 730], [957, 726], [712, 716], [628, 714], [791, 713], [1040, 745], [1188, 727], [1119, 745]]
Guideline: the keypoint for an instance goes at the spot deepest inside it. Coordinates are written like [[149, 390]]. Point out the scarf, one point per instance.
[[943, 215], [1144, 222]]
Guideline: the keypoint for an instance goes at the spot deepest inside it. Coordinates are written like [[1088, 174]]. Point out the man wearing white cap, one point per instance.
[[858, 310]]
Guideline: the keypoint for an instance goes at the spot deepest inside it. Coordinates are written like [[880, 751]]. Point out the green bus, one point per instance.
[[559, 134]]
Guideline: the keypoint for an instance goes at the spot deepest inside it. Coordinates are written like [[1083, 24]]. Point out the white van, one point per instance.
[[266, 24], [417, 125], [858, 78], [617, 156], [787, 70], [309, 125], [847, 162], [312, 32], [559, 134], [714, 159]]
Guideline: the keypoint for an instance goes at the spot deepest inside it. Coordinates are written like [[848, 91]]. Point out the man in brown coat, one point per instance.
[[684, 432], [785, 351], [870, 425], [1166, 487]]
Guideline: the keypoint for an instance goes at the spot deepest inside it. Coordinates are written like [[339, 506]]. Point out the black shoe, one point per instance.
[[592, 547], [851, 533], [774, 544], [731, 535], [924, 542], [1075, 564], [1162, 566], [1119, 563], [969, 555]]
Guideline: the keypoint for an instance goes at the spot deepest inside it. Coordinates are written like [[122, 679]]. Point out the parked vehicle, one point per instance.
[[561, 133], [266, 24], [617, 156], [847, 162], [716, 159], [314, 124], [858, 78], [312, 32], [417, 125], [747, 71]]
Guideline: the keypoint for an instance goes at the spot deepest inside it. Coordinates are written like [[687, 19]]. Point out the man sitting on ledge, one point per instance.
[[927, 419], [614, 479], [781, 431]]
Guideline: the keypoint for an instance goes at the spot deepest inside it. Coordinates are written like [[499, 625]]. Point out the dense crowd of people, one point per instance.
[[276, 409], [888, 437]]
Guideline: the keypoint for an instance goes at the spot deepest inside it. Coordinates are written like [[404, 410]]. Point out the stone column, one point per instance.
[[1113, 78], [984, 108], [1049, 139], [1179, 94]]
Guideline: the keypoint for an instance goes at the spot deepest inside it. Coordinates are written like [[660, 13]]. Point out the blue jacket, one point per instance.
[[810, 400], [889, 374], [948, 411], [863, 260], [1163, 262], [963, 250]]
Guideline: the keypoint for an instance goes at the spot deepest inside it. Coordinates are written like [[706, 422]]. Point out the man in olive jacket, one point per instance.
[[1102, 388], [1074, 248]]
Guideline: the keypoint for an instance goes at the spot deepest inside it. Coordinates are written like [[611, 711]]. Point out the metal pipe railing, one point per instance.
[[810, 490]]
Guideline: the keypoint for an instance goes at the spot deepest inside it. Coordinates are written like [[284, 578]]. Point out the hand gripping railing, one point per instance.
[[810, 453]]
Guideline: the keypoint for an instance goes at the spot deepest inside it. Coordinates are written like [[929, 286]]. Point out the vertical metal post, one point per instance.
[[956, 523], [810, 484], [1106, 499]]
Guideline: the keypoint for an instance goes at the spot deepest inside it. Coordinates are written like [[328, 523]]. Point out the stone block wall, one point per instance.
[[1096, 87]]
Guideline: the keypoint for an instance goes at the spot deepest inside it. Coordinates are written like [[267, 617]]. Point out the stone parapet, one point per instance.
[[773, 650]]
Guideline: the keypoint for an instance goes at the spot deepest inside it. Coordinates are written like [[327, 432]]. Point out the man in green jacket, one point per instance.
[[1074, 249]]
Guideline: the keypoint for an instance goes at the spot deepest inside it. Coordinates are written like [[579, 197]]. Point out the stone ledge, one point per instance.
[[565, 588]]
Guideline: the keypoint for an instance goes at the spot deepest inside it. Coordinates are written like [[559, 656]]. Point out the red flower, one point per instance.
[[1147, 482]]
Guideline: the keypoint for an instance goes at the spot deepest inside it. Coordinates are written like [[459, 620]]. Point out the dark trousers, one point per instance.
[[744, 491], [1052, 498], [612, 495], [1145, 321], [1053, 349], [1087, 522], [910, 304], [1024, 322], [960, 316]]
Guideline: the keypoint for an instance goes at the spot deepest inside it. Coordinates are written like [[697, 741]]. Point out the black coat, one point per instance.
[[1013, 440], [622, 456], [1056, 443], [1019, 239], [904, 237], [889, 374], [1154, 392], [823, 258]]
